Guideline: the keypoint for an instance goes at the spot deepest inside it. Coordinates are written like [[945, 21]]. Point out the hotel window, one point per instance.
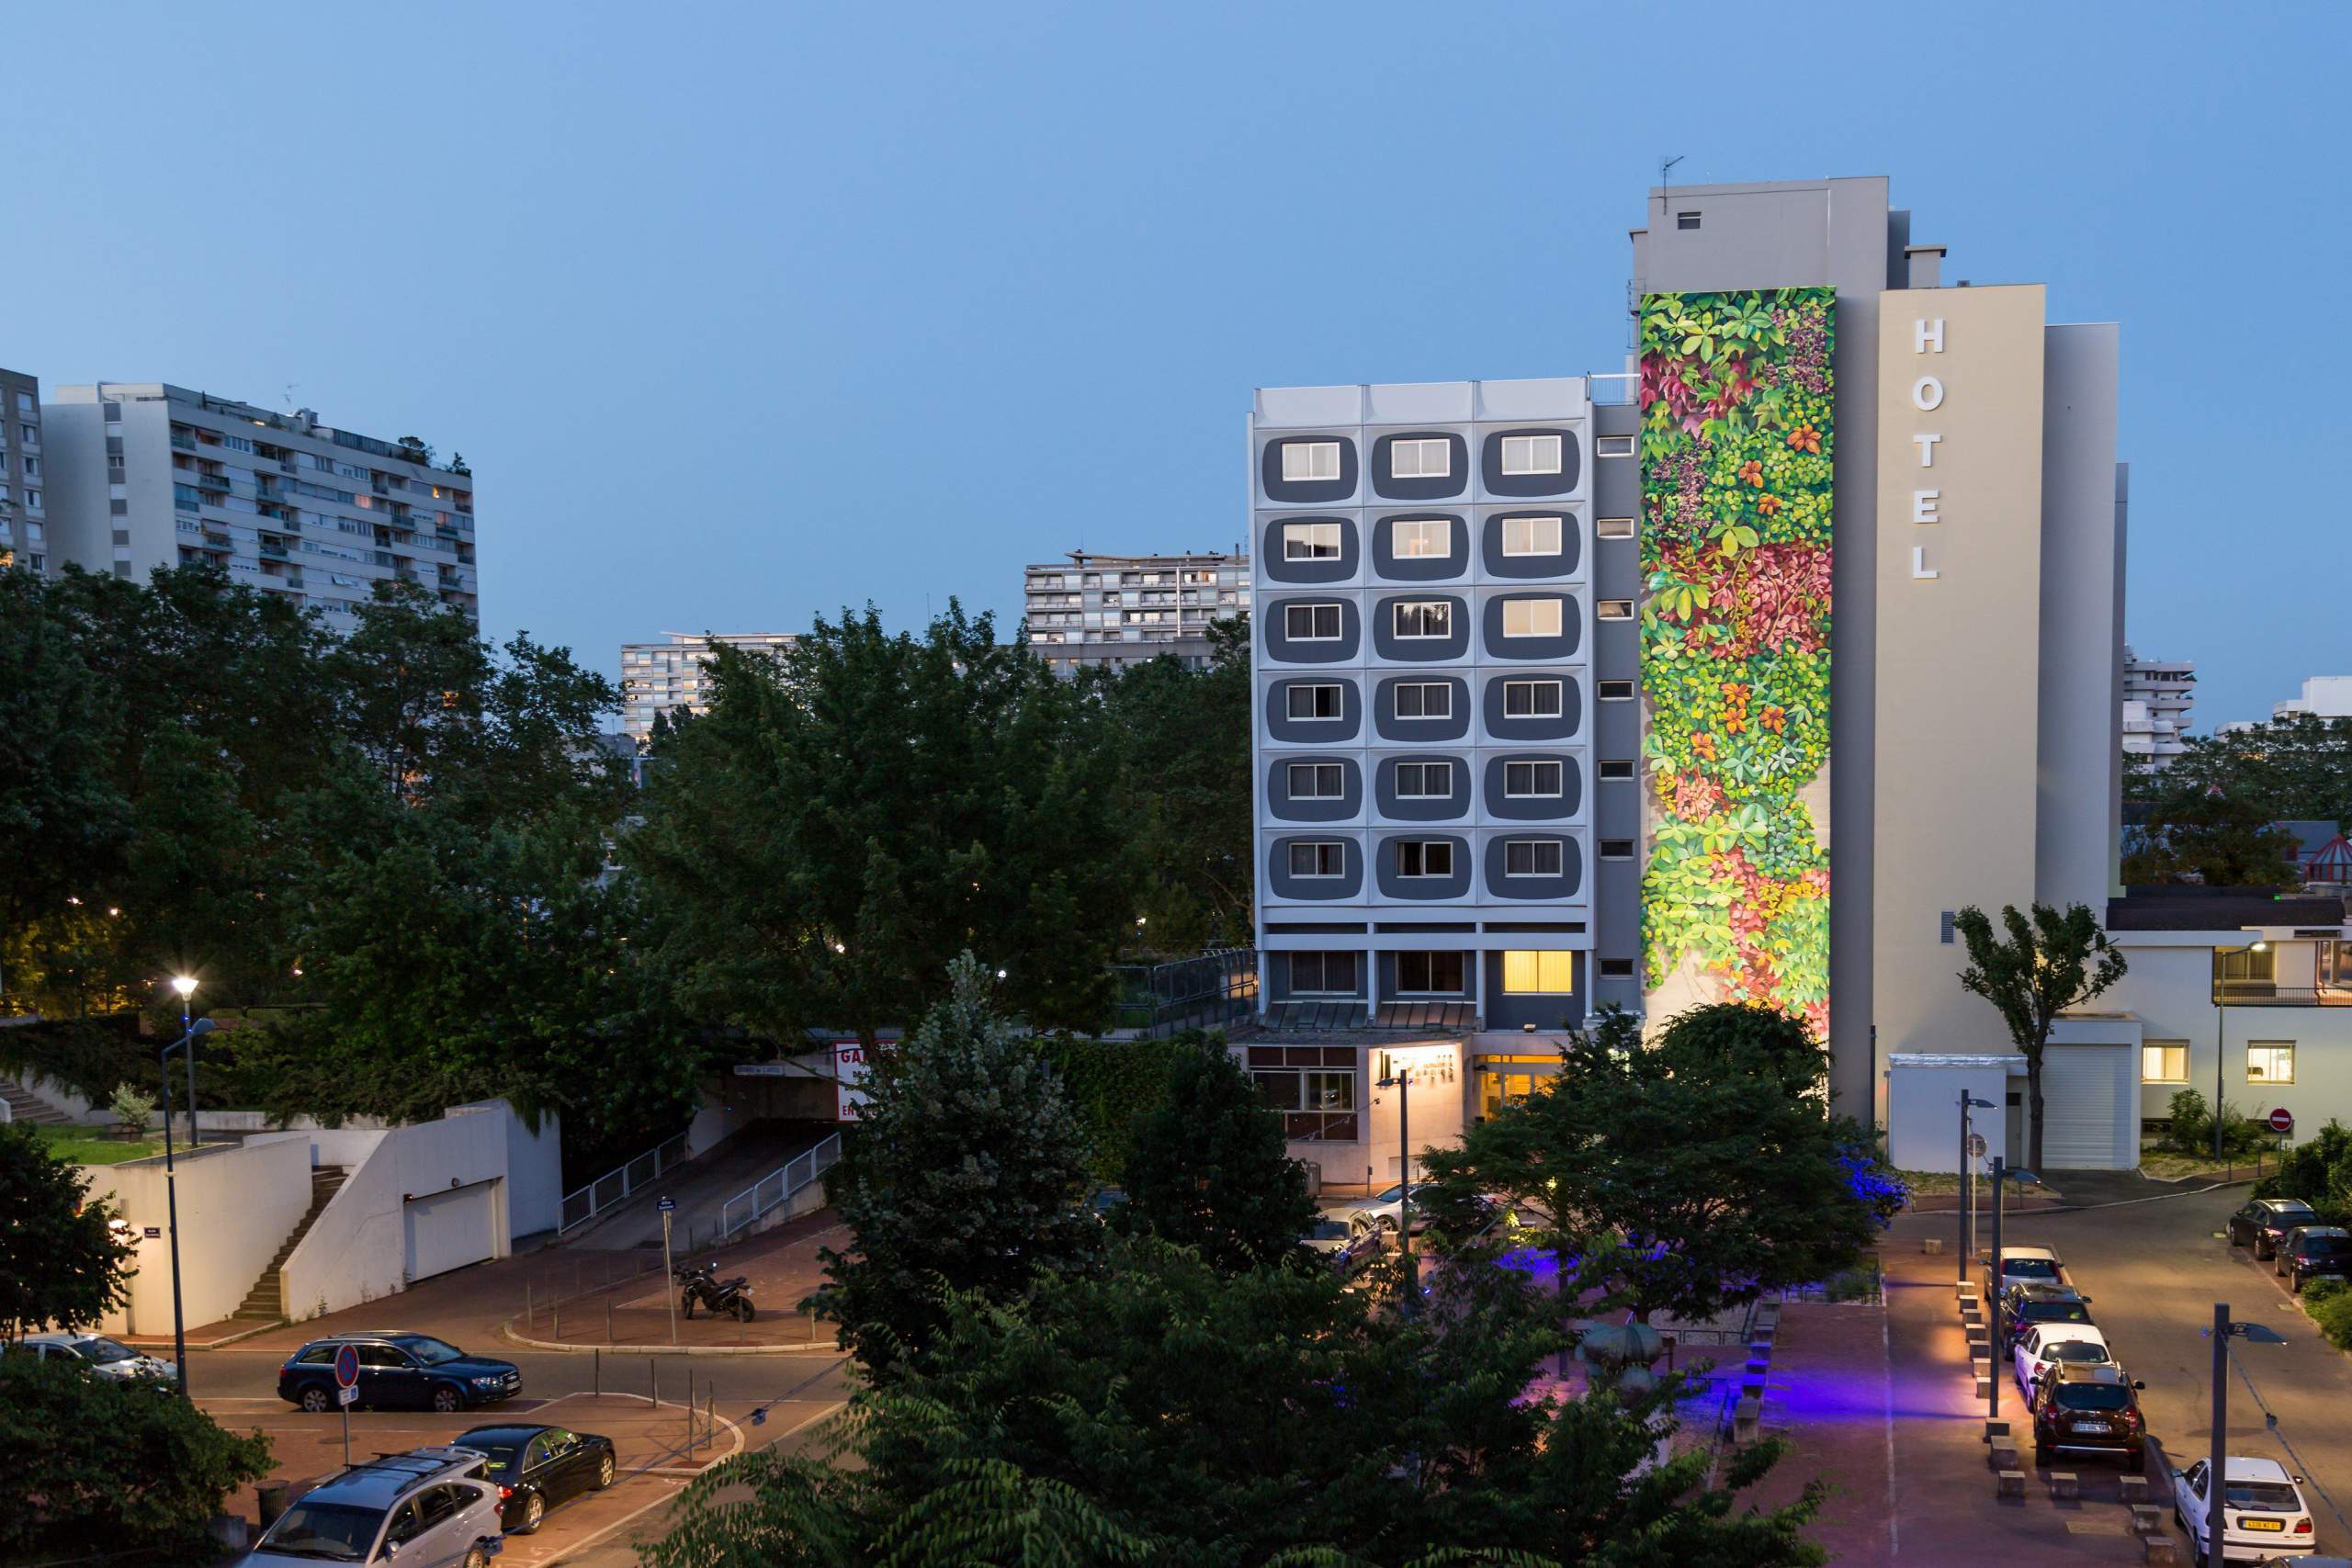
[[1616, 849], [1613, 447], [1531, 617], [1422, 699], [1614, 609], [1616, 968], [1423, 618], [1531, 699], [1614, 528], [1530, 974], [1323, 974], [1311, 623], [1424, 781], [1425, 459], [1686, 221], [1317, 781], [1532, 857], [2164, 1061], [1418, 539], [1614, 768], [1313, 702], [1530, 535], [1532, 781], [1320, 858], [1417, 857], [1531, 454], [1310, 460], [1613, 691], [1310, 541], [1313, 1086], [2270, 1061], [1428, 973]]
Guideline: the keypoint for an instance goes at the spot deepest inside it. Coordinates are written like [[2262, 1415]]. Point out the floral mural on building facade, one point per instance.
[[1737, 447]]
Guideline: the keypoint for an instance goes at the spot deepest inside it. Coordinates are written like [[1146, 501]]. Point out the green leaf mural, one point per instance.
[[1738, 455]]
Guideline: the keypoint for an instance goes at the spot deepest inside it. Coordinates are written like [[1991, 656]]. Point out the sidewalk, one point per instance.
[[1880, 1402], [781, 1268]]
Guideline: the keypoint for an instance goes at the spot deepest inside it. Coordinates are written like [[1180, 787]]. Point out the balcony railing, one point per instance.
[[2259, 994]]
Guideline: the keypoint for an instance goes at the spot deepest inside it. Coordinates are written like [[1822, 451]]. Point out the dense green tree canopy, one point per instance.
[[60, 1264], [2042, 962], [1207, 1168]]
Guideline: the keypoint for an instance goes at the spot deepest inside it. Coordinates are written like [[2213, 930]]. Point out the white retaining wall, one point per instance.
[[237, 1205]]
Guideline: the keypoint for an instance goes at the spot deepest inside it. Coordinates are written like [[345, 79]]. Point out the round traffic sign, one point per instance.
[[347, 1366], [1976, 1145], [2283, 1120]]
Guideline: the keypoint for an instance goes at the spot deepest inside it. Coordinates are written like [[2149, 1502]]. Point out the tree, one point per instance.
[[1161, 1411], [1207, 1168], [2216, 840], [1687, 1176], [60, 1264], [967, 1172], [95, 1458], [2050, 962]]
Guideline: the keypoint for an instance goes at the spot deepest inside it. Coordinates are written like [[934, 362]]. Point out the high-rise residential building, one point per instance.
[[666, 677], [2323, 696], [24, 480], [146, 475], [1111, 609], [2158, 694]]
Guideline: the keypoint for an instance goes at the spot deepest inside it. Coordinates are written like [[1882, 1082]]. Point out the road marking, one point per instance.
[[671, 1496], [1887, 1367]]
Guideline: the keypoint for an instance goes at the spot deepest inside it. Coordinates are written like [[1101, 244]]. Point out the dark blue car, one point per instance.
[[398, 1370]]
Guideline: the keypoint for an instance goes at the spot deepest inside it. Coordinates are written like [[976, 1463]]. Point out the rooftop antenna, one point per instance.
[[290, 386], [1665, 167]]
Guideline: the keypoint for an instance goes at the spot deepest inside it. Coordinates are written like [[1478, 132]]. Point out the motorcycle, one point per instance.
[[698, 1286]]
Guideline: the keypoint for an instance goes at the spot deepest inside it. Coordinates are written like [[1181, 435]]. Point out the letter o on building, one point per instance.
[[1927, 394]]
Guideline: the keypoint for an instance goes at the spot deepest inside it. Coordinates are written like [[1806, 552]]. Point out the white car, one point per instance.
[[2047, 1344], [2263, 1512], [1382, 1210], [106, 1358], [2025, 1266]]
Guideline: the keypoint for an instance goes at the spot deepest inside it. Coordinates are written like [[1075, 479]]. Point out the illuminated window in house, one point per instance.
[[1310, 460], [1530, 974], [1530, 535], [2270, 1061], [1420, 537], [1531, 617], [2164, 1061]]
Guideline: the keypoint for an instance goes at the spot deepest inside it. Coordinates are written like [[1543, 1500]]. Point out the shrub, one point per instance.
[[2189, 1128], [2324, 1288], [135, 1111], [2333, 1313]]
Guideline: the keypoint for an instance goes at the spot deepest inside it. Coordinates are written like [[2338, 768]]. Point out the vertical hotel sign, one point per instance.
[[1739, 451]]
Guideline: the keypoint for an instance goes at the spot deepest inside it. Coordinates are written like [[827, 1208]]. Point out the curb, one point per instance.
[[507, 1332], [152, 1341]]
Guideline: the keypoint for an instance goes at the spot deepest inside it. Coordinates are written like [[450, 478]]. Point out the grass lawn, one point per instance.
[[94, 1145], [1930, 1183], [2163, 1165]]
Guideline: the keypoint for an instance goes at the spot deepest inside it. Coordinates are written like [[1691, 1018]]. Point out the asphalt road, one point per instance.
[[2153, 1270], [235, 1372]]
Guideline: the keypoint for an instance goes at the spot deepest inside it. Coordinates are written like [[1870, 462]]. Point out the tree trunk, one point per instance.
[[2032, 1112]]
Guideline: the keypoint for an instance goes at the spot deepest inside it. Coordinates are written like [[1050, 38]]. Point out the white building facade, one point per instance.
[[2159, 697], [1121, 609], [668, 676]]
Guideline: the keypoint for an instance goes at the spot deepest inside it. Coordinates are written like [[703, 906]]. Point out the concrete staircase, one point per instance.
[[24, 1106], [265, 1302]]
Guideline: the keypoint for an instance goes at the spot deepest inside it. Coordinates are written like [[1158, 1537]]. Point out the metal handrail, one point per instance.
[[616, 1185], [774, 1189]]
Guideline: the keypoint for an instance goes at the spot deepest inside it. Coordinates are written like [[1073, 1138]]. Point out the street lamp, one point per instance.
[[2222, 1032], [1968, 1102], [1402, 1082], [185, 985], [171, 1180]]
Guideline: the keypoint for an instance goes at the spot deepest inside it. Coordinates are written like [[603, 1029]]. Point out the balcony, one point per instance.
[[213, 482], [273, 549], [183, 442]]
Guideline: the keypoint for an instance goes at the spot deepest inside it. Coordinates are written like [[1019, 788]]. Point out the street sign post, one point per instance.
[[346, 1391], [2282, 1120], [669, 1205]]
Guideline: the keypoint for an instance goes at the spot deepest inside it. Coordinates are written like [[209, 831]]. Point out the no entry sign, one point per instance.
[[2283, 1120]]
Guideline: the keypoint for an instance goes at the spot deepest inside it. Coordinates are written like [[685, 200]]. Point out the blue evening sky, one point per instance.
[[742, 314]]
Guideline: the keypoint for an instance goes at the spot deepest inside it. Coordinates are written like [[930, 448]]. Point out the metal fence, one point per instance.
[[771, 1191], [1189, 993], [616, 1185], [1613, 389]]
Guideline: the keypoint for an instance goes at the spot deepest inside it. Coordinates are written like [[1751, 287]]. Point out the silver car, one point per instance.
[[425, 1509], [106, 1358]]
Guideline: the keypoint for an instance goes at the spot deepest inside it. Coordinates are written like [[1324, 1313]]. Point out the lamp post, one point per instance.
[[185, 985], [1402, 1082], [2222, 1030], [171, 1179], [1968, 1102]]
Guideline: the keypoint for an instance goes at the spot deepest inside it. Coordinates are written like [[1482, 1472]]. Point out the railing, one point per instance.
[[618, 1186], [2251, 994], [771, 1191], [1623, 388], [1189, 993]]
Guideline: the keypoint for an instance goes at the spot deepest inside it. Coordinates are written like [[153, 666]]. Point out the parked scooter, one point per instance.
[[697, 1286]]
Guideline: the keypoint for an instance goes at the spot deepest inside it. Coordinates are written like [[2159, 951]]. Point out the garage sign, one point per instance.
[[850, 1069]]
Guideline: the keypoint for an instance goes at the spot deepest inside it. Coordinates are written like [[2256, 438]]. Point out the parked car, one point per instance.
[[396, 1369], [537, 1468], [2261, 1224], [104, 1357], [1383, 1210], [2263, 1512], [2046, 1345], [2024, 1266], [2022, 1306], [1328, 1235], [2309, 1251], [2090, 1407], [424, 1508]]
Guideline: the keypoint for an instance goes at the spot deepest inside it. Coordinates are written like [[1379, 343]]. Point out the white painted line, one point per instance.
[[1887, 1367], [671, 1496]]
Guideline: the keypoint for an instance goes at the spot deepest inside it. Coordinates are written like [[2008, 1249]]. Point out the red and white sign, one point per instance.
[[2283, 1120], [849, 1069]]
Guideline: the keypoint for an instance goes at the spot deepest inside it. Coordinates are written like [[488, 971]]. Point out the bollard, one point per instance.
[[2005, 1454], [2009, 1484], [2064, 1485], [2135, 1489], [653, 1376], [1933, 1247], [530, 1318], [596, 1373], [1996, 1430], [608, 1320], [555, 1310]]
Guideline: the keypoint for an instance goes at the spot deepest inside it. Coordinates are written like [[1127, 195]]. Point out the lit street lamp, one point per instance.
[[171, 1180], [185, 985]]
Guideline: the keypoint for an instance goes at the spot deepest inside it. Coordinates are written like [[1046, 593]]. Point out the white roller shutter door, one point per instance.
[[2081, 1100], [449, 1230]]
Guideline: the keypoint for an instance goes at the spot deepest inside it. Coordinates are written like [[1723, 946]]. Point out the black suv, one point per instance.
[[2309, 1251], [2023, 1306], [2263, 1222], [398, 1368], [2088, 1408]]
